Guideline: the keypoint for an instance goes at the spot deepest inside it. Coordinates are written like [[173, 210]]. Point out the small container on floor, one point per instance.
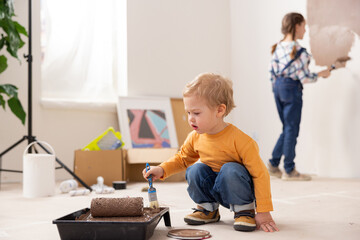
[[119, 185]]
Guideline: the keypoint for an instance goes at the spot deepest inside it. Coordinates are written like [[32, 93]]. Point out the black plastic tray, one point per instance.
[[71, 229]]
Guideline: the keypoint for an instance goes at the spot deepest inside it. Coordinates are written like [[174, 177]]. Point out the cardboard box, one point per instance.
[[138, 157], [110, 164]]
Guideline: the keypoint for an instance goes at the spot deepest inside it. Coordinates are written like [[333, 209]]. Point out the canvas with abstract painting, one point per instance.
[[147, 122]]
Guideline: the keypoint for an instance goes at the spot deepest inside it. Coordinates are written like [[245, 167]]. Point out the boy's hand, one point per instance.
[[156, 171], [265, 222]]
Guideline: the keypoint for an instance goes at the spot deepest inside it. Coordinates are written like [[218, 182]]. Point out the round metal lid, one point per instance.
[[189, 234]]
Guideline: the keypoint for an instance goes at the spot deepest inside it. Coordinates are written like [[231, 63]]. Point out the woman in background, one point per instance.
[[289, 71]]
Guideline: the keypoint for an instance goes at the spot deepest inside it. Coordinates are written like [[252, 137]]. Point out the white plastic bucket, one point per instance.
[[38, 173]]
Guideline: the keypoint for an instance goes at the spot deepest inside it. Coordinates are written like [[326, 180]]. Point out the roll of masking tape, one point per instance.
[[81, 192]]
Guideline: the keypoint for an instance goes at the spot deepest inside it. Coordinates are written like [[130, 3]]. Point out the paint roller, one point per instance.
[[342, 61], [117, 207]]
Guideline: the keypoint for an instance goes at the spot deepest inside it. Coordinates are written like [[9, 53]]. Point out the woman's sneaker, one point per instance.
[[274, 171], [202, 216], [295, 176], [245, 221]]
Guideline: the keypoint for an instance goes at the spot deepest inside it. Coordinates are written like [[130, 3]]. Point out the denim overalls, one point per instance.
[[288, 98]]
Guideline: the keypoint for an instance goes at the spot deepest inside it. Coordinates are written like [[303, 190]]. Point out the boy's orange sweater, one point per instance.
[[229, 145]]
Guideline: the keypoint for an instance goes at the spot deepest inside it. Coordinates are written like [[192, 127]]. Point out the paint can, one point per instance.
[[38, 173]]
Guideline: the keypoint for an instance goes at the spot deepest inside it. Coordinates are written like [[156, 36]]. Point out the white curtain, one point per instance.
[[81, 49]]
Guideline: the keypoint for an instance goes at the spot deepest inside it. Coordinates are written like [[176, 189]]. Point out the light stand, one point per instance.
[[29, 136]]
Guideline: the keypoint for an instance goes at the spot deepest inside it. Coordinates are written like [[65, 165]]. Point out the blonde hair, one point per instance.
[[288, 26], [215, 89]]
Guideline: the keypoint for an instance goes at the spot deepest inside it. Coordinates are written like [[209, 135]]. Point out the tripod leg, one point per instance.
[[12, 146], [7, 150], [73, 174], [67, 169]]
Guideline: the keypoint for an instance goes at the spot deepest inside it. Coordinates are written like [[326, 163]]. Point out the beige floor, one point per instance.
[[320, 209]]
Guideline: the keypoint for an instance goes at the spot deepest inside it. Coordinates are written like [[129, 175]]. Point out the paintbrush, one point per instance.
[[151, 191], [341, 60]]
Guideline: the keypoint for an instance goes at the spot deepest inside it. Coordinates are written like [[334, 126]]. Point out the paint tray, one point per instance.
[[70, 227]]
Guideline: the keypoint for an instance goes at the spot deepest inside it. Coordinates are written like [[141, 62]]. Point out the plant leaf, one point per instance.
[[13, 44], [6, 9], [11, 32], [3, 63], [16, 107], [9, 89], [2, 101], [21, 29], [2, 13], [2, 41], [22, 43], [13, 38], [9, 8]]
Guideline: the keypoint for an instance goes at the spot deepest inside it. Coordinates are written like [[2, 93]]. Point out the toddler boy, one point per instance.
[[230, 171]]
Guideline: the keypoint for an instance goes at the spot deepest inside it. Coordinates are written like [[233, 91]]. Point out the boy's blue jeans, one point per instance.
[[288, 98], [232, 187]]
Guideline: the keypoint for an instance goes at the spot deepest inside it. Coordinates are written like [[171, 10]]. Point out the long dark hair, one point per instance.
[[288, 25]]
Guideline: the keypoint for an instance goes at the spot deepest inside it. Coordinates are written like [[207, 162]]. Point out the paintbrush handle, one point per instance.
[[147, 168]]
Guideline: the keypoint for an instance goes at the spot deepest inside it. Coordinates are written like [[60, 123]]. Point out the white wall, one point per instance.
[[169, 43], [329, 131], [336, 120], [172, 41]]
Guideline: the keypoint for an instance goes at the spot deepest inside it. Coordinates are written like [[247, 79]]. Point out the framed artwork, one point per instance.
[[146, 122]]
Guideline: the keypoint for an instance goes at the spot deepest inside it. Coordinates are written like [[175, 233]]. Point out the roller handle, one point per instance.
[[340, 60]]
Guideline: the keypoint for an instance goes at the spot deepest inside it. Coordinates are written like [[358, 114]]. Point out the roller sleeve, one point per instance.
[[116, 207]]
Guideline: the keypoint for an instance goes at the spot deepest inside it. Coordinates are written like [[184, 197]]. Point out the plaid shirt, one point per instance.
[[298, 70]]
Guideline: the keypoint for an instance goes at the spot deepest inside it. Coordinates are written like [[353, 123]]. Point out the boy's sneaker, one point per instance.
[[295, 176], [274, 171], [202, 216], [245, 221]]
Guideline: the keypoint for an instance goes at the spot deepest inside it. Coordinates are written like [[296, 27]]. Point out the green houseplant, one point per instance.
[[11, 41]]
